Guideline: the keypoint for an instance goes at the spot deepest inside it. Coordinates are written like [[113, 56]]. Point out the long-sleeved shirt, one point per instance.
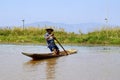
[[50, 40]]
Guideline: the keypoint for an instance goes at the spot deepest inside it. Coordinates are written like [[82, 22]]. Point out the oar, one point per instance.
[[61, 46]]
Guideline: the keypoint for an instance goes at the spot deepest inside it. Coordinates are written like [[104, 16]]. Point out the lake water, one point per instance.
[[90, 63]]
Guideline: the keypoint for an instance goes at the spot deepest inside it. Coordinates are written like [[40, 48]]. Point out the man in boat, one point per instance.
[[49, 36]]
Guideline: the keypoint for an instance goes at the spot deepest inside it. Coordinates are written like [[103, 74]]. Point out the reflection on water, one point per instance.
[[50, 69], [50, 65], [90, 63]]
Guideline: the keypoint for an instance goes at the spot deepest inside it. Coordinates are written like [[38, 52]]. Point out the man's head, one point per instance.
[[49, 30]]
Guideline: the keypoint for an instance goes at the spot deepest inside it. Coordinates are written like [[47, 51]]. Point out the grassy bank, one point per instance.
[[36, 35]]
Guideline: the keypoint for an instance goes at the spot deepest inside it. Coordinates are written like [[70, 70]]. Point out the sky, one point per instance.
[[60, 11]]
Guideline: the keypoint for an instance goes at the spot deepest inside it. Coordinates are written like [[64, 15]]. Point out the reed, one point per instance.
[[106, 35]]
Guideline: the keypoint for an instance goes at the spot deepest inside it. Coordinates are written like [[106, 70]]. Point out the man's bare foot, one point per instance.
[[53, 54]]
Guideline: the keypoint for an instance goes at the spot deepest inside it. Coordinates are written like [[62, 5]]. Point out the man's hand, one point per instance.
[[51, 34], [54, 37]]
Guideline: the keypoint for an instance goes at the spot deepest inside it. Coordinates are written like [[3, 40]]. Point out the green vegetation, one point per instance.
[[105, 36], [36, 35]]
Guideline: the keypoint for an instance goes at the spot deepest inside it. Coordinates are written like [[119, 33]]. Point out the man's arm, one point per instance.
[[48, 37]]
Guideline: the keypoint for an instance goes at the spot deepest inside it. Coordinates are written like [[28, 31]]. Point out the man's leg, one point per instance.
[[54, 51]]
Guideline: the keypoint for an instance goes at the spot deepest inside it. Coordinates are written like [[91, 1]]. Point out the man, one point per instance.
[[49, 36]]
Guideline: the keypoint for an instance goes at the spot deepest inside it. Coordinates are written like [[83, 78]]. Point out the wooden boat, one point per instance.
[[38, 56]]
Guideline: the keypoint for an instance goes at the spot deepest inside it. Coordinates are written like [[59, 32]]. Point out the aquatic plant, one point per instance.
[[106, 35]]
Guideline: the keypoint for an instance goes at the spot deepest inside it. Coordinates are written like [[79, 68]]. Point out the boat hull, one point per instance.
[[38, 56]]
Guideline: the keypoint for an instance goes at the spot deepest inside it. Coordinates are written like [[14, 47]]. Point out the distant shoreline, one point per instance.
[[65, 44], [32, 35]]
